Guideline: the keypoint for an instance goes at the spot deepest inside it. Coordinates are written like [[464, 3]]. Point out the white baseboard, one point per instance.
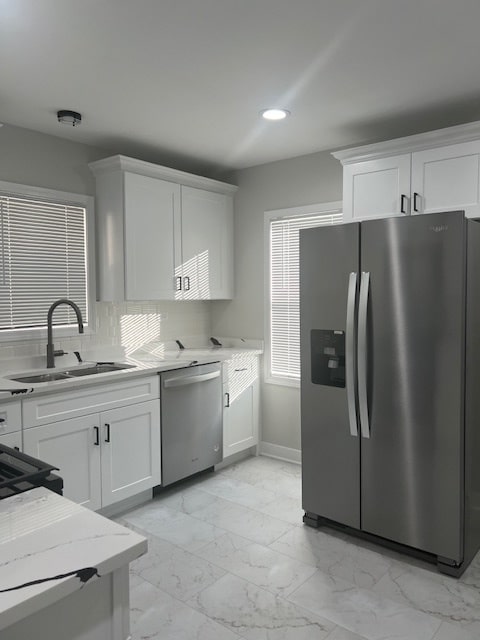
[[282, 453], [235, 457]]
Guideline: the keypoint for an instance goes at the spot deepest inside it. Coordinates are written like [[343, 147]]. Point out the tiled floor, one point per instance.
[[230, 558]]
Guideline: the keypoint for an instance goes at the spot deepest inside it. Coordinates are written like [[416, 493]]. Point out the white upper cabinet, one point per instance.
[[425, 173], [447, 179], [162, 234], [207, 250], [152, 227], [377, 188]]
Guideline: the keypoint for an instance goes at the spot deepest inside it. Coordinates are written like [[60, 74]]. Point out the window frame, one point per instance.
[[269, 216], [61, 197]]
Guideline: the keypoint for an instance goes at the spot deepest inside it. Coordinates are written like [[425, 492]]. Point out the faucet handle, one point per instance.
[[60, 352], [78, 356]]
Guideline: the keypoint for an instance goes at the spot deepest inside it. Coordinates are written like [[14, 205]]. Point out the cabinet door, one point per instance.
[[13, 440], [374, 189], [130, 450], [447, 179], [152, 226], [240, 427], [207, 244], [71, 446]]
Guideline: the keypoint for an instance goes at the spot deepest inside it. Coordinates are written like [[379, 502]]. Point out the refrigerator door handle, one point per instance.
[[350, 353], [362, 354]]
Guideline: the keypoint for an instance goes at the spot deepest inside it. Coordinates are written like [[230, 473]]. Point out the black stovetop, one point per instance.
[[20, 472]]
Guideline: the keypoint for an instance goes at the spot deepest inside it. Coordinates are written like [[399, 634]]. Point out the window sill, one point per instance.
[[282, 382]]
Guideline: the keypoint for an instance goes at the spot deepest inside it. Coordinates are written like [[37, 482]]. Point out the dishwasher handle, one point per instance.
[[182, 381]]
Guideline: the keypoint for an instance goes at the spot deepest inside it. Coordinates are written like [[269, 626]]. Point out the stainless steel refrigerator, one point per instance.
[[390, 382]]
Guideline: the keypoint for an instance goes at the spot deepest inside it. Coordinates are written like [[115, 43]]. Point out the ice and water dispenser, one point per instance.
[[328, 357]]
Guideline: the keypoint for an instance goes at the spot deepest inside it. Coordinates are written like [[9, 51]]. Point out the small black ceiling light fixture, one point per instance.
[[69, 117]]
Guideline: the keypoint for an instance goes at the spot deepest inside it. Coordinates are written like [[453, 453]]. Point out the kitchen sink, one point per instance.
[[100, 367], [41, 377]]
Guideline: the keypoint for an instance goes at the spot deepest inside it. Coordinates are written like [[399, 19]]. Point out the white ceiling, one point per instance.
[[187, 78]]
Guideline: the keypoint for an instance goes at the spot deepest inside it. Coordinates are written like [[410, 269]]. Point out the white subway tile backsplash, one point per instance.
[[126, 324]]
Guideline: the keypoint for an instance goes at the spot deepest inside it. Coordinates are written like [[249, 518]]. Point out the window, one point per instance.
[[283, 316], [43, 257]]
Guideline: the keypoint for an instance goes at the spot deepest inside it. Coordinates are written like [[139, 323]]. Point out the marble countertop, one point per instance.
[[50, 547], [146, 360]]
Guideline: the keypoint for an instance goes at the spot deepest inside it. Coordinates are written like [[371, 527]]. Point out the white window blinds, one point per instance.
[[42, 258], [285, 290]]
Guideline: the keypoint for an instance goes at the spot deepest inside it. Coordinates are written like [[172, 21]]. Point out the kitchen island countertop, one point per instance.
[[51, 548]]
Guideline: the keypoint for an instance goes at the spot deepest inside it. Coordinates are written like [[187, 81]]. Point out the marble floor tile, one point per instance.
[[154, 615], [334, 554], [253, 470], [237, 491], [431, 592], [449, 631], [178, 572], [284, 508], [186, 499], [257, 564], [363, 611], [178, 528], [339, 633], [246, 522], [472, 574], [257, 614], [282, 483]]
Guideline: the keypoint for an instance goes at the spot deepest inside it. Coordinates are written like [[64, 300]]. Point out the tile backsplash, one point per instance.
[[127, 324]]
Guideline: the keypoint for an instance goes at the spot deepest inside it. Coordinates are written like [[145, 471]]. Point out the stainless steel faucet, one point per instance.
[[50, 347]]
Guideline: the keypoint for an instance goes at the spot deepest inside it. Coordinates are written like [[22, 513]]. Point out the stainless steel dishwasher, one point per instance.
[[192, 427]]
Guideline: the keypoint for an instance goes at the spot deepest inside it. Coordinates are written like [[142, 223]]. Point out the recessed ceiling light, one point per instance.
[[69, 117], [274, 114]]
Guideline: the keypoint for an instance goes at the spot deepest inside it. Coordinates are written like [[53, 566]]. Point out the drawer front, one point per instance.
[[61, 406], [239, 373], [10, 417]]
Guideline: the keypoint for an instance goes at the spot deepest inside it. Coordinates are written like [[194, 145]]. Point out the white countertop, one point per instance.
[[144, 361], [43, 535]]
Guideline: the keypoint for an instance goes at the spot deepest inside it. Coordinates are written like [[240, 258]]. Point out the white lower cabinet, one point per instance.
[[241, 406], [71, 446], [103, 457], [130, 450]]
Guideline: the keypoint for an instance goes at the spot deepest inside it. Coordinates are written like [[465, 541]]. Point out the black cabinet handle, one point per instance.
[[227, 399], [178, 283], [403, 197], [415, 196], [97, 436], [107, 437], [186, 280], [243, 369]]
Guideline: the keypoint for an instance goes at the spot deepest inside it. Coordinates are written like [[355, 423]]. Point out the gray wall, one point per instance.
[[289, 183], [40, 160]]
